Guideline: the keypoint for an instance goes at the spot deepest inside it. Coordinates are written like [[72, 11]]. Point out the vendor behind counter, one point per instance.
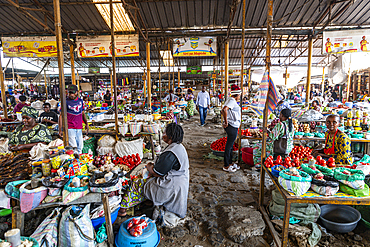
[[337, 143], [30, 133], [48, 117]]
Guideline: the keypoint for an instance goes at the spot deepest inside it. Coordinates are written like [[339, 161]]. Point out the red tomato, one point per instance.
[[331, 160], [323, 163], [319, 158]]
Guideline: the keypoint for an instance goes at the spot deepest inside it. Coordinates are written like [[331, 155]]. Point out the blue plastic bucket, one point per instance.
[[149, 238], [99, 221]]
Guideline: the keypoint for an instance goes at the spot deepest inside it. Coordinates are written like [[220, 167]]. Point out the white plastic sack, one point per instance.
[[311, 115], [124, 147], [106, 141], [4, 145], [105, 150], [364, 168], [37, 151]]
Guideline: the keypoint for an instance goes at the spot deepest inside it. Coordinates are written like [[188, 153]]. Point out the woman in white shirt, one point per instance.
[[231, 113]]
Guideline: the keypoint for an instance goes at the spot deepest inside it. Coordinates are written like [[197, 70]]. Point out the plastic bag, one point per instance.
[[124, 147], [30, 199], [57, 184], [105, 150], [114, 180], [75, 228], [355, 180], [46, 233], [324, 170], [361, 192], [136, 225], [297, 185], [106, 141], [12, 190], [329, 187], [70, 194]]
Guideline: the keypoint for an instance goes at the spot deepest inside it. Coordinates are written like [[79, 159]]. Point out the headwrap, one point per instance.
[[30, 112], [235, 90]]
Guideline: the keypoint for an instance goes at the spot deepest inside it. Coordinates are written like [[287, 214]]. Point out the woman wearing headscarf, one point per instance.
[[191, 105], [168, 182], [283, 130], [282, 134], [30, 133]]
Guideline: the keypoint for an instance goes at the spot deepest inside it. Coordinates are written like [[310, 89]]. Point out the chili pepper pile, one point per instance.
[[219, 145], [136, 226], [131, 161], [300, 152]]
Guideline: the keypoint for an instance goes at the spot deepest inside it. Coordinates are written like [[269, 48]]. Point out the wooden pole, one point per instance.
[[159, 80], [72, 65], [78, 80], [107, 214], [308, 83], [348, 83], [222, 71], [226, 68], [178, 77], [46, 85], [265, 112], [323, 81], [173, 77], [144, 84], [3, 98], [111, 241], [286, 76], [148, 77], [62, 87], [249, 79], [169, 66], [241, 80], [111, 79], [214, 81]]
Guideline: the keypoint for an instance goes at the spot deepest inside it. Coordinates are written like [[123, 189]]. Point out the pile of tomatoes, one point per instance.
[[320, 161], [131, 161], [300, 152], [219, 145], [246, 132], [288, 162]]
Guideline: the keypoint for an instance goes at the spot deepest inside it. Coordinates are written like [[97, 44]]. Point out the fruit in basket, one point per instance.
[[306, 128]]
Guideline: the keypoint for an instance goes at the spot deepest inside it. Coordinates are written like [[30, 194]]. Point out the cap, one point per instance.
[[72, 88], [22, 98]]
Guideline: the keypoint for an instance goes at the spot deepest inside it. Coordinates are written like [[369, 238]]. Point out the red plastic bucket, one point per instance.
[[247, 156]]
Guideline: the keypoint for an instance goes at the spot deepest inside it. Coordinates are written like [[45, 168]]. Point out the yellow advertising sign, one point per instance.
[[29, 46], [100, 46]]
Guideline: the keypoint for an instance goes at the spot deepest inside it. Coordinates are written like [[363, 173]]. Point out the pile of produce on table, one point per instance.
[[14, 168], [219, 145], [273, 123], [300, 152], [288, 162], [108, 163]]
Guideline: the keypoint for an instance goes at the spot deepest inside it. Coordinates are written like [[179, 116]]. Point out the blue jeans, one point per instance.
[[75, 139], [232, 133], [203, 114]]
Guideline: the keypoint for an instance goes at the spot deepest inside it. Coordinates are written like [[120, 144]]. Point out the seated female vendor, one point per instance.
[[168, 184], [315, 106], [337, 143], [30, 133]]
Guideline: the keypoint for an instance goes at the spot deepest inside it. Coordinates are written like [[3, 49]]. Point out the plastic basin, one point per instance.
[[341, 219], [97, 222], [149, 238]]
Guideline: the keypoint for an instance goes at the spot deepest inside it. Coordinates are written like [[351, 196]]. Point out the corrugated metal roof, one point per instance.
[[175, 15]]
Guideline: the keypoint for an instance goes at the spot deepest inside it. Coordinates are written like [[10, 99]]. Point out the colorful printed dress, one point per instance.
[[276, 133], [190, 106], [39, 133], [342, 148]]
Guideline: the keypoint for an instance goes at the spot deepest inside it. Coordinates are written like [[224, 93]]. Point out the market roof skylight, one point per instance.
[[167, 58], [121, 20]]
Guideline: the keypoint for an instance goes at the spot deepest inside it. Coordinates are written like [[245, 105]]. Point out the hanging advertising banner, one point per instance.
[[100, 46], [195, 47], [194, 70], [45, 46], [345, 41]]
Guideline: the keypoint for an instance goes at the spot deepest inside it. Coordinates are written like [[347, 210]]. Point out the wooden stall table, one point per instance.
[[289, 199], [18, 216]]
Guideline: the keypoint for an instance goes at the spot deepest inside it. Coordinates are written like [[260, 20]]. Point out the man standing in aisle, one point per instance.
[[75, 117], [203, 104]]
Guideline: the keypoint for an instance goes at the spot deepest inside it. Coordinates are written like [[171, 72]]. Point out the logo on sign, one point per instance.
[[194, 44]]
